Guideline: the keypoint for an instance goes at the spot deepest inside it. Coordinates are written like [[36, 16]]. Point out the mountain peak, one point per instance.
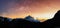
[[29, 17]]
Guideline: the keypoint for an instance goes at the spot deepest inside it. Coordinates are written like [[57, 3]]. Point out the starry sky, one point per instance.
[[23, 8]]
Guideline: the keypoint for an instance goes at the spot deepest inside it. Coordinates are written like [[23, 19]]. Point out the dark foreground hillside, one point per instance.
[[29, 22], [55, 21]]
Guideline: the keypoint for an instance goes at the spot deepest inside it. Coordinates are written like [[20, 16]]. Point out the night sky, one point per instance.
[[23, 8]]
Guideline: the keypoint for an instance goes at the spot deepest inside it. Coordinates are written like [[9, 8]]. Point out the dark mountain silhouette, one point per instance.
[[1, 19], [29, 22], [21, 23]]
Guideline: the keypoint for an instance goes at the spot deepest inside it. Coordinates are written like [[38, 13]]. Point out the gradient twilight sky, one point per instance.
[[35, 8]]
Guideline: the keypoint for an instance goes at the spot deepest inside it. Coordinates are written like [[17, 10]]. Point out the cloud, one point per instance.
[[21, 7]]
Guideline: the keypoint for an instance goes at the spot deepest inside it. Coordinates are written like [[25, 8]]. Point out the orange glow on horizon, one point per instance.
[[41, 9], [35, 16]]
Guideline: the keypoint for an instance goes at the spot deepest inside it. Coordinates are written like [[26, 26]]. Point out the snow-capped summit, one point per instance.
[[30, 18]]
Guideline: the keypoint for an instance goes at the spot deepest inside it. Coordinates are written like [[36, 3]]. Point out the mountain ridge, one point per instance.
[[22, 23]]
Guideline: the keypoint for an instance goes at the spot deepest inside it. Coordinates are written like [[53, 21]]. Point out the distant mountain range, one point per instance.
[[30, 22]]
